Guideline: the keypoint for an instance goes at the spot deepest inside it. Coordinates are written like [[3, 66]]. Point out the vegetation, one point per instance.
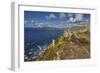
[[73, 44]]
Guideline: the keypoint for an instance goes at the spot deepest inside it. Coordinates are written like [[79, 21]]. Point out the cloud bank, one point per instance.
[[75, 18], [51, 16], [63, 20]]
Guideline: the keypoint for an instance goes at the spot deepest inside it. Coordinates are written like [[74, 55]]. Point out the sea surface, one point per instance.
[[37, 39]]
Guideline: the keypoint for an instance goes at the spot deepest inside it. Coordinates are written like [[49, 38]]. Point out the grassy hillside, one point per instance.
[[73, 44]]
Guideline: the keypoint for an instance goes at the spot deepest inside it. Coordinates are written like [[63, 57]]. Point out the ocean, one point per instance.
[[36, 39]]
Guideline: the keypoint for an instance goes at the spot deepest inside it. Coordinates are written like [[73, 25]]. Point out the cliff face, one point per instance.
[[73, 44]]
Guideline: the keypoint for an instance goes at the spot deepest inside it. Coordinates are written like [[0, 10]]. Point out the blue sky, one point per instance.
[[53, 19]]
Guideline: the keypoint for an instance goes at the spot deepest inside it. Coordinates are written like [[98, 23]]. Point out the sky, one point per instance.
[[37, 19]]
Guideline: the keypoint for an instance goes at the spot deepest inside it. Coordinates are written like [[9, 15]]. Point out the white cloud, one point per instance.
[[62, 15], [70, 14], [51, 16], [70, 19], [33, 21], [40, 24], [30, 23], [78, 17]]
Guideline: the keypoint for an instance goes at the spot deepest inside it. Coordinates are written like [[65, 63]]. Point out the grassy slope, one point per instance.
[[75, 46]]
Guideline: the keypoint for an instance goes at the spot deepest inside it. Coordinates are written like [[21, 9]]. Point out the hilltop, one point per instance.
[[73, 44]]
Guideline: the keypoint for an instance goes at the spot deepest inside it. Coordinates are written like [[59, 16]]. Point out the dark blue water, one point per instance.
[[35, 39]]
